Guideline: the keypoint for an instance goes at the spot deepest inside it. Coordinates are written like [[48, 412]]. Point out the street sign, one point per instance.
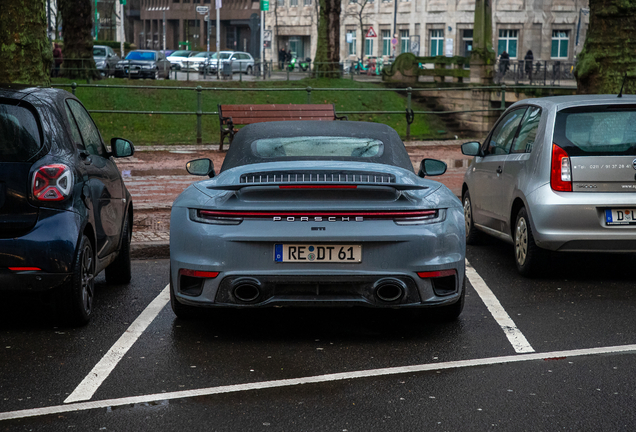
[[371, 33], [267, 35], [265, 5], [203, 9], [449, 47], [394, 41]]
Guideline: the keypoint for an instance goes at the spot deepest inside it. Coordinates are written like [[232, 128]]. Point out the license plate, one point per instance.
[[620, 217], [317, 253]]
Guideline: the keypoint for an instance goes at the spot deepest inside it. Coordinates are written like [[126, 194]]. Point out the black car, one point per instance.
[[143, 64], [65, 214]]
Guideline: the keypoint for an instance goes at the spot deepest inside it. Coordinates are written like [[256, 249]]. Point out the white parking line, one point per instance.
[[83, 406], [87, 388], [516, 338]]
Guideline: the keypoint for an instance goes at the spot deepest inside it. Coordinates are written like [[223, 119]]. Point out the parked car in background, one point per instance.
[[556, 174], [105, 59], [317, 213], [143, 64], [240, 61], [65, 213], [195, 62], [177, 58]]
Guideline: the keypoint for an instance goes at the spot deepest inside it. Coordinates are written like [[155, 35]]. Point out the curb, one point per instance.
[[150, 250]]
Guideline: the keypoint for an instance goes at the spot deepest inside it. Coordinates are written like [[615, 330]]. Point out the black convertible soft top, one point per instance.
[[242, 152]]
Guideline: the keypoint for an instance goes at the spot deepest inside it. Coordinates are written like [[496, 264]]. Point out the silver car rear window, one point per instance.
[[602, 131], [317, 146], [19, 134]]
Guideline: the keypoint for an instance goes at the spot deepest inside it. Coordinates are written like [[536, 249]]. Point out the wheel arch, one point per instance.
[[517, 204]]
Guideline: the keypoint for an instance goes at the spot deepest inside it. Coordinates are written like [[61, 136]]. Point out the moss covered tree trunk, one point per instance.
[[609, 51], [25, 51], [77, 26], [327, 62]]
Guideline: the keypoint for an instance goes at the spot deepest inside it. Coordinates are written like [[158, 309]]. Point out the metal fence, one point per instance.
[[544, 72], [408, 112]]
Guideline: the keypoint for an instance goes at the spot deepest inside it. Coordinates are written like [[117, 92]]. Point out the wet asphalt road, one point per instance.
[[583, 302]]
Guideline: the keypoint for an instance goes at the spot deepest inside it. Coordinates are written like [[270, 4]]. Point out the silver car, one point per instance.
[[315, 213], [556, 174], [105, 59]]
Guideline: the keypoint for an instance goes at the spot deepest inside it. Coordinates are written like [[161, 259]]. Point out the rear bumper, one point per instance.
[[49, 246], [244, 253], [31, 281], [575, 221], [328, 290]]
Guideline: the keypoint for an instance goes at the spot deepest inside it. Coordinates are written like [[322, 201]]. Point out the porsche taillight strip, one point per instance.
[[318, 187], [25, 269], [263, 214]]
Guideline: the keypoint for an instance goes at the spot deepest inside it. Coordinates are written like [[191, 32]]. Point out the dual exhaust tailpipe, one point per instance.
[[247, 290], [388, 290]]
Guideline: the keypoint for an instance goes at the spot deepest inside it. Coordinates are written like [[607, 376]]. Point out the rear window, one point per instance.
[[597, 131], [19, 134], [323, 147], [140, 55]]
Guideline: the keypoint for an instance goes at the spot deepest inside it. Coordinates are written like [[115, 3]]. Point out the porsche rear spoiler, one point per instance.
[[315, 185]]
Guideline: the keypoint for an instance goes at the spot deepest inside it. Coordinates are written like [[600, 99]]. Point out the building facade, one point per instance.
[[184, 27], [551, 29]]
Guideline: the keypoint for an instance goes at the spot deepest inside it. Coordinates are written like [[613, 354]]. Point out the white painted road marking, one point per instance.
[[87, 388], [83, 406], [516, 338]]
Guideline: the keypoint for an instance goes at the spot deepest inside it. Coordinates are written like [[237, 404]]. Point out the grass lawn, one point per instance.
[[144, 129]]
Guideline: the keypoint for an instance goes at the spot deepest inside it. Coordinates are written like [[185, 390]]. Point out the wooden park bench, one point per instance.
[[233, 115]]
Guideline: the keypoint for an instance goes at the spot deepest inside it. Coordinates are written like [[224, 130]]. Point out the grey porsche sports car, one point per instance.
[[309, 213]]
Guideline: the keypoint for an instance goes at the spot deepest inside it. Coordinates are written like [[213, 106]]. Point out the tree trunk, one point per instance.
[[25, 50], [327, 63], [608, 54], [77, 24]]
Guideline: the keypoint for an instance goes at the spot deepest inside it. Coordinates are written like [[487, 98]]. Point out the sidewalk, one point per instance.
[[156, 175]]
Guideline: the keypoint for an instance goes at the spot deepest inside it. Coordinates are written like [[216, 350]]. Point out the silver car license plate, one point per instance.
[[620, 217], [317, 253]]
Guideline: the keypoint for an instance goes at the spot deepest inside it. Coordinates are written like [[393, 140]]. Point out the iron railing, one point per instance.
[[540, 72], [408, 111]]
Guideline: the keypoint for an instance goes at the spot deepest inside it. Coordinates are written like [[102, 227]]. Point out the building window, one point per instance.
[[307, 2], [437, 43], [293, 3], [368, 47], [508, 40], [351, 39], [280, 3], [386, 42], [404, 41], [560, 40], [467, 45]]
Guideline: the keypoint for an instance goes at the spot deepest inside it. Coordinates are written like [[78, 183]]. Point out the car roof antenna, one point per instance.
[[620, 94]]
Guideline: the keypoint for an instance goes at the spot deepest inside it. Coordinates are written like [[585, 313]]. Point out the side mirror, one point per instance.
[[201, 167], [431, 167], [472, 148], [120, 147]]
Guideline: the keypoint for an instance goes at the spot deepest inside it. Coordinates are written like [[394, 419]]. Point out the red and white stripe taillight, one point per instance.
[[561, 172], [52, 182]]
